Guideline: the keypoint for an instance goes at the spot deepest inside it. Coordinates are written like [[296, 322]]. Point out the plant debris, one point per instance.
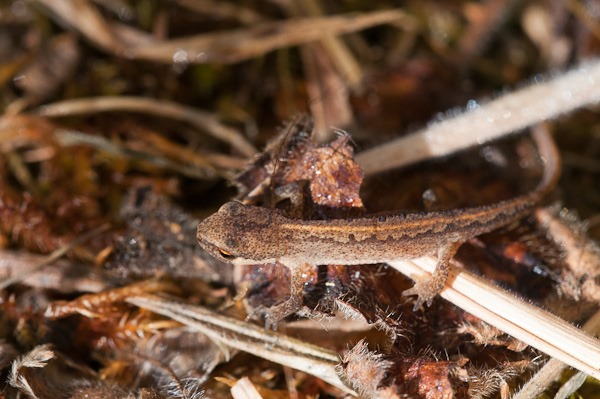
[[125, 123]]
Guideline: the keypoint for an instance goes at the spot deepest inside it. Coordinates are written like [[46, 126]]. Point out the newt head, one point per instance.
[[242, 234]]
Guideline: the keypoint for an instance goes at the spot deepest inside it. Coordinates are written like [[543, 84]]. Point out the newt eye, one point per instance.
[[226, 254]]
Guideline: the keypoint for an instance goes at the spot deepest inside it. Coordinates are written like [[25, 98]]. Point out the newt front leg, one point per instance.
[[274, 314]]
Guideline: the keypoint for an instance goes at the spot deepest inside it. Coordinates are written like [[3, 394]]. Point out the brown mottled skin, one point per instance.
[[243, 234]]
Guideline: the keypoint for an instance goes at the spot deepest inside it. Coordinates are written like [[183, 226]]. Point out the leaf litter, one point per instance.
[[151, 81]]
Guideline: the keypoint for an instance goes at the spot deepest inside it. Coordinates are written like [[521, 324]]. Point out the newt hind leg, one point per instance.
[[426, 289]]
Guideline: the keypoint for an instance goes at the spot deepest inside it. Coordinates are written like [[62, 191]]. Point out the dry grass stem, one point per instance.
[[202, 120], [512, 315], [573, 384], [343, 59], [190, 163], [327, 110], [505, 115], [242, 44], [553, 369], [246, 337]]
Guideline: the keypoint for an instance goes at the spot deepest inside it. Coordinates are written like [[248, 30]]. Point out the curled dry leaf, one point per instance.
[[329, 172], [334, 178]]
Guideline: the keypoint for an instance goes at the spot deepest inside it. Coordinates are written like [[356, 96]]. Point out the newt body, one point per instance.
[[243, 234]]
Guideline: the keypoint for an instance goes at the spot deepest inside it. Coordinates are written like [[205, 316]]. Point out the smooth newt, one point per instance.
[[243, 234]]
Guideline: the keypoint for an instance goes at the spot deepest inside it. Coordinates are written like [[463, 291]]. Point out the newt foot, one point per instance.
[[274, 314], [425, 290]]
